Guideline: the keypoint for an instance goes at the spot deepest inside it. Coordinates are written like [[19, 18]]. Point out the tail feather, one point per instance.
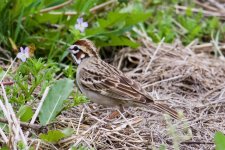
[[166, 109]]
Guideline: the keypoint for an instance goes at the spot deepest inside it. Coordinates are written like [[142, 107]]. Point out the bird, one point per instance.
[[106, 85]]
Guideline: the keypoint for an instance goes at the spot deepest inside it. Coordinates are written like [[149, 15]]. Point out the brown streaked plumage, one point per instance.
[[104, 84]]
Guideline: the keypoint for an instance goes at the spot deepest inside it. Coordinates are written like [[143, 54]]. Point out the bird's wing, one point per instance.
[[106, 80]]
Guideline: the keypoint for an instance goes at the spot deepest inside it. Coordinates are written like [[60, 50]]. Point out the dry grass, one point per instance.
[[186, 80], [189, 79]]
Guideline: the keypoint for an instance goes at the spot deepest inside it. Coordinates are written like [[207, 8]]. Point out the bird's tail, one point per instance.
[[165, 108]]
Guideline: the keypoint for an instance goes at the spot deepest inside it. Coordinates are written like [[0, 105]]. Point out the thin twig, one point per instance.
[[161, 81], [40, 105], [16, 126], [217, 4], [56, 7], [153, 57], [7, 83], [4, 137], [130, 125], [206, 13], [24, 124], [196, 142], [38, 108], [81, 117], [8, 69], [101, 6]]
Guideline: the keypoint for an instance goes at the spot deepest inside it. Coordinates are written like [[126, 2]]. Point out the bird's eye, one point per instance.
[[76, 48], [73, 47]]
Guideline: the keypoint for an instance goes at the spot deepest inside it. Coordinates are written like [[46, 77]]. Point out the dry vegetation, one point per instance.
[[190, 79], [186, 78]]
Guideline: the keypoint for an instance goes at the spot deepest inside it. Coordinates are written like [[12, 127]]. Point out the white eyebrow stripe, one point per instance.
[[75, 51], [72, 47]]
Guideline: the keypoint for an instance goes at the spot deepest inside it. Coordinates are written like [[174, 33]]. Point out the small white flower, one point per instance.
[[81, 25], [23, 54]]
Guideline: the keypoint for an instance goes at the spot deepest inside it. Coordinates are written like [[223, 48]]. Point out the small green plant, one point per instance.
[[32, 74], [70, 72], [219, 140], [178, 137], [53, 136]]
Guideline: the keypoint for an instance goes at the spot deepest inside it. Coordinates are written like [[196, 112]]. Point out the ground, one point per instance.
[[188, 79]]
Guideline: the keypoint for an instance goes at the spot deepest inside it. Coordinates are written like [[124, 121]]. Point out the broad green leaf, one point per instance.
[[2, 72], [119, 41], [134, 18], [53, 103], [52, 136], [25, 113], [113, 18], [95, 31], [219, 139]]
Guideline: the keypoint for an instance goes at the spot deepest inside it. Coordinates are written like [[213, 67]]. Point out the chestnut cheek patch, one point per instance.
[[79, 54]]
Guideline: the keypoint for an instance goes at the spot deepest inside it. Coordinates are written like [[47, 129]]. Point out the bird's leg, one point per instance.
[[116, 113]]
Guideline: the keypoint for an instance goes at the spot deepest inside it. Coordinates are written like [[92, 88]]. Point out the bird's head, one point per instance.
[[82, 49]]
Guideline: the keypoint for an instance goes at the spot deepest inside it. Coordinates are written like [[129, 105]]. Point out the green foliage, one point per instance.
[[162, 147], [110, 30], [2, 72], [82, 6], [219, 139], [5, 148], [177, 137], [21, 146], [25, 113], [187, 27], [53, 103], [39, 74], [48, 31], [69, 72], [78, 99], [52, 136]]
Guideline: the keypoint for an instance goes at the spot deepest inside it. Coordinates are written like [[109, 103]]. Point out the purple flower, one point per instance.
[[23, 54], [81, 25]]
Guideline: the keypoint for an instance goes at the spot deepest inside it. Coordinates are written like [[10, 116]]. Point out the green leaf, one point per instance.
[[119, 41], [84, 6], [162, 147], [53, 103], [219, 139], [113, 18], [137, 17], [2, 72], [25, 113], [67, 131], [5, 147], [52, 136]]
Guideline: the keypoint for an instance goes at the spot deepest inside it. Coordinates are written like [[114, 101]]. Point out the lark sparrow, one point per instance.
[[104, 84]]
